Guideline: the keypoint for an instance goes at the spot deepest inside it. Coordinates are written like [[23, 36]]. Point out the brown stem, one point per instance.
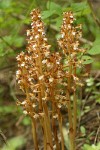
[[71, 130], [55, 133], [74, 109], [70, 117], [60, 127], [74, 115], [47, 126], [33, 120], [54, 129], [44, 132], [53, 113], [42, 120], [34, 134], [45, 108]]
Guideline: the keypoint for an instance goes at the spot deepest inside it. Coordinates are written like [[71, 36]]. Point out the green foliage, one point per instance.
[[95, 50], [15, 19], [94, 89], [46, 14], [12, 21], [5, 4], [66, 137], [90, 82], [14, 143], [26, 121], [83, 130], [81, 8], [8, 109], [52, 8], [91, 147], [17, 41], [87, 59]]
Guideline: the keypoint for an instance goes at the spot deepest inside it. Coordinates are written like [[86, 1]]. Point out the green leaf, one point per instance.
[[91, 147], [53, 6], [87, 59], [8, 109], [95, 50], [96, 46], [17, 41], [90, 82], [98, 100], [82, 8], [26, 121], [87, 147], [58, 22], [5, 4], [14, 143], [2, 53], [83, 130], [48, 13]]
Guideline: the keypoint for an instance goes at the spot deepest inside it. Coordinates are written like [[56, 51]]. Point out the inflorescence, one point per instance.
[[45, 77]]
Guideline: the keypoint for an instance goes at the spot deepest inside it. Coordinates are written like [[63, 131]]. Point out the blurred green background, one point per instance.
[[15, 128]]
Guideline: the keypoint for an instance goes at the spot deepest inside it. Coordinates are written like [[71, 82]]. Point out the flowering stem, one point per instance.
[[74, 109], [71, 130], [70, 123], [44, 132], [74, 114], [54, 128], [45, 109], [47, 127], [54, 111], [43, 80], [33, 120]]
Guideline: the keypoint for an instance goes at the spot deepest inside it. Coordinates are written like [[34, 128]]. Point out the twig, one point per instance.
[[92, 11], [19, 120], [3, 137], [7, 67], [85, 41], [10, 46], [98, 130]]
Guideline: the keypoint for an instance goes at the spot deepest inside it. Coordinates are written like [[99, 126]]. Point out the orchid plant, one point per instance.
[[49, 80]]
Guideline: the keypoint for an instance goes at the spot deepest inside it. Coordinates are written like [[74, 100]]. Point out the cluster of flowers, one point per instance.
[[69, 43], [48, 79], [42, 75], [37, 68]]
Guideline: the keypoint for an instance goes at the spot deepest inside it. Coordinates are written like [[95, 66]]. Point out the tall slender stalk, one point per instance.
[[69, 42], [48, 127], [60, 127], [54, 124], [34, 134], [70, 111], [45, 109], [45, 80], [74, 107], [54, 109], [71, 130], [74, 114]]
